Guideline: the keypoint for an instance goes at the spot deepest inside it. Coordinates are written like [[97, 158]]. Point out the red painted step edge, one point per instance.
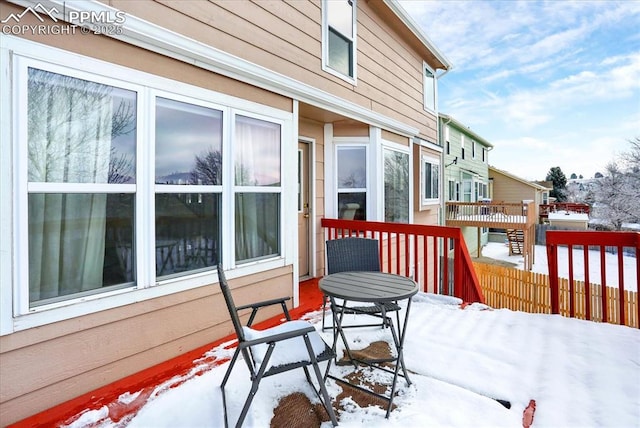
[[147, 380]]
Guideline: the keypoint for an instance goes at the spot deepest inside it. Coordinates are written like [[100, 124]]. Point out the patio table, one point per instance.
[[376, 288]]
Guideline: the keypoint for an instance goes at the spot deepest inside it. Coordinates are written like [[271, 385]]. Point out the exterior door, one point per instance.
[[304, 183]]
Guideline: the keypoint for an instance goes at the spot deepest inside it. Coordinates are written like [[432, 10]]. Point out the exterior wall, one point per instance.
[[508, 189], [469, 166], [85, 353], [286, 37]]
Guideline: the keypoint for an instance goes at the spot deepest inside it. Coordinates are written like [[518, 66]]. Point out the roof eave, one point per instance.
[[399, 11]]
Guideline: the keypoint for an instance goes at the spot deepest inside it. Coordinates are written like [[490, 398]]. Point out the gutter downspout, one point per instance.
[[442, 185]]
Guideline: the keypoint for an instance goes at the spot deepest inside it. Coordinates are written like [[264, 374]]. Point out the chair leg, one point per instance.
[[326, 401], [255, 383]]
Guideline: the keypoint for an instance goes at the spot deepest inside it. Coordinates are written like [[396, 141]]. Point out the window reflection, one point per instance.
[[352, 167], [187, 232], [396, 186], [188, 144], [79, 131]]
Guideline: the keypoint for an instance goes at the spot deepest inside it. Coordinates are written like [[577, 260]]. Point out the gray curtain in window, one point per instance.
[[69, 140]]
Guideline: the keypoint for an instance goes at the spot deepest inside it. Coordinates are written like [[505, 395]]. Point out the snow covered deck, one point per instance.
[[497, 215]]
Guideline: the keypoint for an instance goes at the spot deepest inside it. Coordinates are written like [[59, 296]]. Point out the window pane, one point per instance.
[[257, 225], [340, 16], [188, 143], [352, 167], [79, 131], [428, 181], [396, 186], [257, 152], [187, 232], [429, 90], [78, 244], [352, 206], [340, 54], [435, 181]]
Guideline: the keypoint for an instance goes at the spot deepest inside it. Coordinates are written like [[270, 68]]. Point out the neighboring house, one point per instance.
[[142, 146], [506, 187], [466, 176], [567, 220]]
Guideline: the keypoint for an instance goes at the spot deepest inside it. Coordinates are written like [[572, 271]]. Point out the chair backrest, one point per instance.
[[231, 307], [352, 254]]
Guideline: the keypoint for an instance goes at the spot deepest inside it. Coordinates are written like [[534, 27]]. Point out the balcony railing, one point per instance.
[[436, 257], [545, 209], [491, 214], [597, 302]]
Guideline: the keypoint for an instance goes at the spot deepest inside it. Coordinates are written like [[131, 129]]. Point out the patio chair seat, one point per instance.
[[289, 352]]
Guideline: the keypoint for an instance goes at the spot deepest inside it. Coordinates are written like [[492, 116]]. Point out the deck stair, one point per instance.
[[516, 241]]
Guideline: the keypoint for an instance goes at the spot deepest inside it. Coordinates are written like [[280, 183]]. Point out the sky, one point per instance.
[[548, 83], [579, 373]]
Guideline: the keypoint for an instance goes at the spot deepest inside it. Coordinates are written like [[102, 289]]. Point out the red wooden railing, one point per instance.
[[434, 256], [590, 240]]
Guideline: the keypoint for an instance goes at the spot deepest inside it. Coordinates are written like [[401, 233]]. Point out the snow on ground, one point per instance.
[[500, 251], [580, 374]]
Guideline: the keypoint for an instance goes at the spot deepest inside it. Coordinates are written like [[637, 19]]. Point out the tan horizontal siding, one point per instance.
[[82, 354], [286, 37]]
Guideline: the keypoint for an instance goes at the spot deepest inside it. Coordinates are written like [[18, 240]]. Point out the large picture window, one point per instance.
[[340, 34], [133, 181]]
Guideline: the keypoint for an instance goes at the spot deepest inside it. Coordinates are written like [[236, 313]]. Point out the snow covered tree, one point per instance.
[[617, 195], [573, 176], [559, 180]]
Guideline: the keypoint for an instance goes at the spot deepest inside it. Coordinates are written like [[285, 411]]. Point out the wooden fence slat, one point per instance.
[[525, 291]]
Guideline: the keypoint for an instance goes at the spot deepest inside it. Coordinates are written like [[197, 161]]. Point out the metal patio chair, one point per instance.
[[288, 346], [356, 254]]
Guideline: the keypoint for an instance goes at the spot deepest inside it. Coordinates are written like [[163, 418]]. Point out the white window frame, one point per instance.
[[346, 142], [388, 145], [14, 306], [354, 48], [430, 99], [424, 159]]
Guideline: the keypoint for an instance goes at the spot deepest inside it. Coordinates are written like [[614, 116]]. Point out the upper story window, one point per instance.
[[352, 182], [429, 88], [473, 149], [462, 145], [339, 38]]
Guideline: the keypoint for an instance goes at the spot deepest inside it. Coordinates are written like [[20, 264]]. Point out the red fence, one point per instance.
[[434, 256], [586, 242]]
